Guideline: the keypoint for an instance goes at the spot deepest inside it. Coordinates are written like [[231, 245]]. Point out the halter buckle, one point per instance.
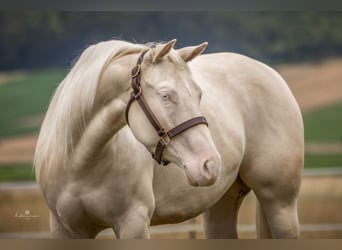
[[165, 139]]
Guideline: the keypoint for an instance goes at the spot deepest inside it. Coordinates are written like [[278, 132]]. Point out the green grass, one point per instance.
[[321, 161], [31, 96], [16, 172], [26, 97], [324, 124]]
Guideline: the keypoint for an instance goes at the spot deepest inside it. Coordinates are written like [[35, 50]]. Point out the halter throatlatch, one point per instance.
[[165, 137]]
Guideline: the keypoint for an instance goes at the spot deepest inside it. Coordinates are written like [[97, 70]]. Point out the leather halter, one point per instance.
[[165, 137]]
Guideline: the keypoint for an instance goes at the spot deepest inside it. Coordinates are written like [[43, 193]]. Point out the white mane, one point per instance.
[[71, 106]]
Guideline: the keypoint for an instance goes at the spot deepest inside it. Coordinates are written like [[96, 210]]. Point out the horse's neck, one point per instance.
[[108, 112], [115, 81], [104, 125]]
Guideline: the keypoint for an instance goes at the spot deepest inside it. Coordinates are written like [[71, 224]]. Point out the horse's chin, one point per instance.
[[191, 180], [199, 183]]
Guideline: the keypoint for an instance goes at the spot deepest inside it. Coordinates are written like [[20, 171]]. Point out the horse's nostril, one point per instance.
[[210, 169], [207, 166]]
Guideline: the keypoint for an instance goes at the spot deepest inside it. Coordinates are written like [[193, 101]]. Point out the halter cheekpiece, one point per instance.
[[165, 137]]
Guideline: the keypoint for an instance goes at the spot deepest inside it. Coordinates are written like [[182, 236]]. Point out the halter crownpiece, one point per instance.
[[165, 137]]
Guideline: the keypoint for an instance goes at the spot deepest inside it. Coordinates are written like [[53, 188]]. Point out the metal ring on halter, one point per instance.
[[165, 139]]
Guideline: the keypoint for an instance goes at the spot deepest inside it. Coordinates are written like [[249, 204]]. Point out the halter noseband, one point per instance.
[[165, 137]]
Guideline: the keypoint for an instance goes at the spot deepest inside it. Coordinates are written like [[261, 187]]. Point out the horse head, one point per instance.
[[164, 112]]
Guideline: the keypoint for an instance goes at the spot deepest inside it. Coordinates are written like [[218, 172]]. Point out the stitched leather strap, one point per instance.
[[186, 125], [136, 87], [149, 114], [162, 143], [157, 155], [137, 95]]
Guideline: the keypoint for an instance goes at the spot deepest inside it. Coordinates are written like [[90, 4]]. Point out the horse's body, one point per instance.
[[255, 124]]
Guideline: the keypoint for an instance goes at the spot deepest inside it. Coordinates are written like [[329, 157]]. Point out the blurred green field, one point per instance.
[[322, 160], [324, 124], [26, 97], [16, 172], [30, 96]]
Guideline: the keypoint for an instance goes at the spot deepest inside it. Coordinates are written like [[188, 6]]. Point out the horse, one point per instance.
[[223, 123]]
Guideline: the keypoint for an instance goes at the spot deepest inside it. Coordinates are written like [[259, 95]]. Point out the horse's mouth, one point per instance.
[[191, 180], [198, 182]]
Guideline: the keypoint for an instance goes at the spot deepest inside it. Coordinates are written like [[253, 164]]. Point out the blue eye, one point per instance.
[[165, 96]]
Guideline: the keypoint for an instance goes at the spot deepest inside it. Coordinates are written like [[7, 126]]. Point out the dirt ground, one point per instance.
[[5, 77], [17, 150], [313, 85]]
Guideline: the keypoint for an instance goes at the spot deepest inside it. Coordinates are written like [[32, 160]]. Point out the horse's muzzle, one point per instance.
[[205, 174]]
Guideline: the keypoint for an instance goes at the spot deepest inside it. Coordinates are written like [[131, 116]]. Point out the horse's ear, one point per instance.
[[189, 53], [163, 50]]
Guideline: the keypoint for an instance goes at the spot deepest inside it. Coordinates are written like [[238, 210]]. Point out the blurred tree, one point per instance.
[[32, 39]]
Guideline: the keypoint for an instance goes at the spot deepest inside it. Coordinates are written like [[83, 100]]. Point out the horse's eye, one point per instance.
[[165, 96]]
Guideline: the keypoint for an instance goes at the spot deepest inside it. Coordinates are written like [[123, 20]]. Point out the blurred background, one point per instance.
[[38, 48]]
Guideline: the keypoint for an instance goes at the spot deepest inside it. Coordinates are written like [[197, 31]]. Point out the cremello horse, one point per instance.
[[95, 173]]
